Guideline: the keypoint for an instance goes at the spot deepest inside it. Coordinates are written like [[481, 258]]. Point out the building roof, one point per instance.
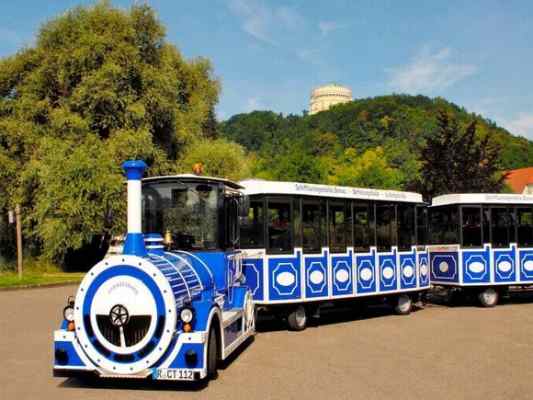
[[331, 89], [257, 186], [481, 198], [191, 177], [518, 179]]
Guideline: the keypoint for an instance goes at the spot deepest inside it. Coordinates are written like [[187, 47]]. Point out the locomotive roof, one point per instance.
[[192, 177], [257, 186], [481, 198]]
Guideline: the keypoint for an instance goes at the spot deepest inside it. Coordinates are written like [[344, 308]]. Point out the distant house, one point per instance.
[[521, 180]]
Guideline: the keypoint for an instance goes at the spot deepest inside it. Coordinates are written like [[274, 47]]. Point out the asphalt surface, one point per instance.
[[436, 353]]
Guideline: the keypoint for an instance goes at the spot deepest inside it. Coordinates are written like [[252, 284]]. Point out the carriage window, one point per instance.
[[421, 225], [252, 228], [231, 221], [406, 226], [502, 227], [186, 214], [349, 223], [297, 218], [337, 226], [279, 225], [487, 216], [312, 222], [363, 218], [471, 225], [525, 226], [443, 225], [386, 227]]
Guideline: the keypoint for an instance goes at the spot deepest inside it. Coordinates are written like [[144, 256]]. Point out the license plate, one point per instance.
[[173, 374]]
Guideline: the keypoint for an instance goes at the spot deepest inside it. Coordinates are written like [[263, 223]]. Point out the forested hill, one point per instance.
[[382, 134]]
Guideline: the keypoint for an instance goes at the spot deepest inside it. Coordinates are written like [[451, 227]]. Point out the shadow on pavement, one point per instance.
[[93, 382], [132, 384], [460, 298], [336, 314]]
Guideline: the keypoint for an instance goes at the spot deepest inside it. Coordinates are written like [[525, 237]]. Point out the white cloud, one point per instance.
[[521, 125], [262, 21], [311, 56], [221, 115], [252, 104], [326, 27], [289, 17], [428, 72]]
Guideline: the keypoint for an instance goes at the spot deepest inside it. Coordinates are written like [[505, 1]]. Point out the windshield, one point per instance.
[[185, 214]]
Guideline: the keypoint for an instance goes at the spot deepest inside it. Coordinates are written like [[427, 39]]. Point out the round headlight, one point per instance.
[[186, 315], [68, 313]]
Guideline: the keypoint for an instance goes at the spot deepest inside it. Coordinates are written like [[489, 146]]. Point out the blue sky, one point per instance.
[[270, 54]]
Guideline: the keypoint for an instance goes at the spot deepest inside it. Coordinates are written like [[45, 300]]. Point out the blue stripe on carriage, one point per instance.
[[476, 266], [284, 277], [253, 271]]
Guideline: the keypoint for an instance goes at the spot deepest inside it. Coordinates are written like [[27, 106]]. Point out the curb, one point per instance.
[[39, 286]]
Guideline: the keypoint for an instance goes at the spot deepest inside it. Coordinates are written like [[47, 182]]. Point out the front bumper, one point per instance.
[[186, 354]]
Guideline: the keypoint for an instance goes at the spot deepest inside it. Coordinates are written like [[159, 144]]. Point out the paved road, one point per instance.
[[437, 353]]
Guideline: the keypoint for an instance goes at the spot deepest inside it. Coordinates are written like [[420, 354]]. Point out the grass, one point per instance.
[[11, 279], [36, 272]]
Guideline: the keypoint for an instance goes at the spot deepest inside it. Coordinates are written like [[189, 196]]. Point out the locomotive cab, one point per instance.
[[175, 303]]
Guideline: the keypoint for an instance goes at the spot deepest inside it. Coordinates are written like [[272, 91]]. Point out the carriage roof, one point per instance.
[[192, 177], [481, 198], [257, 187]]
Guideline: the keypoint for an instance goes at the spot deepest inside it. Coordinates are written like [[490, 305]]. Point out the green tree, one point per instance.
[[398, 123], [454, 161], [100, 85], [219, 157], [370, 170]]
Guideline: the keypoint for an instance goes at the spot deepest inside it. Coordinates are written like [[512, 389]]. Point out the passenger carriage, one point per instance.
[[174, 303], [481, 243], [306, 244]]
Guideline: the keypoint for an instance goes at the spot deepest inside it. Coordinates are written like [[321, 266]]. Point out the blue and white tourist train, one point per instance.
[[481, 243], [202, 254], [305, 245], [174, 304]]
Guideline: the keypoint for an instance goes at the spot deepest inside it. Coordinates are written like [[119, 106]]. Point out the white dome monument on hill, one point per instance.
[[323, 97]]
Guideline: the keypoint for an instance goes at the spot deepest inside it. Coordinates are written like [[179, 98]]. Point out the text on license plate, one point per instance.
[[173, 374]]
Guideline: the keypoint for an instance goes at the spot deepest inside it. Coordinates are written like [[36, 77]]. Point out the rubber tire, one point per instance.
[[404, 305], [297, 319], [212, 355], [488, 297]]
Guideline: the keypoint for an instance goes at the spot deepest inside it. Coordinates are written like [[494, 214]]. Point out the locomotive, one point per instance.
[[183, 295], [174, 304]]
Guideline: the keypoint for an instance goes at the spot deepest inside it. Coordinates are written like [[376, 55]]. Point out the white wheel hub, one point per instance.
[[300, 316], [404, 303], [489, 296]]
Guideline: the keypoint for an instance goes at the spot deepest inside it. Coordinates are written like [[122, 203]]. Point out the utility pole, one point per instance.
[[19, 241]]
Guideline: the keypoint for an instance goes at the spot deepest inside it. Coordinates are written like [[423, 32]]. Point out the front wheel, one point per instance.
[[297, 319], [404, 304], [212, 354], [488, 297]]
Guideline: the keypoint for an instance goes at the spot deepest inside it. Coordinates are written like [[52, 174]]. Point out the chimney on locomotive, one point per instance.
[[134, 244]]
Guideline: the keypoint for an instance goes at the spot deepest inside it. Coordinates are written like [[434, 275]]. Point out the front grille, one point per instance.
[[134, 331]]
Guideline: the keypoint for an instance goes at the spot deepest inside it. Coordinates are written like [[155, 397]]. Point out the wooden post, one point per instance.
[[19, 241]]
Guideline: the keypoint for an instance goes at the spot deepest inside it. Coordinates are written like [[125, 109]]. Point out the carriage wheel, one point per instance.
[[404, 304], [488, 297], [297, 319]]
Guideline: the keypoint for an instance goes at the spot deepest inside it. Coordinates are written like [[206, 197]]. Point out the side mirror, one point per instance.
[[244, 206]]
